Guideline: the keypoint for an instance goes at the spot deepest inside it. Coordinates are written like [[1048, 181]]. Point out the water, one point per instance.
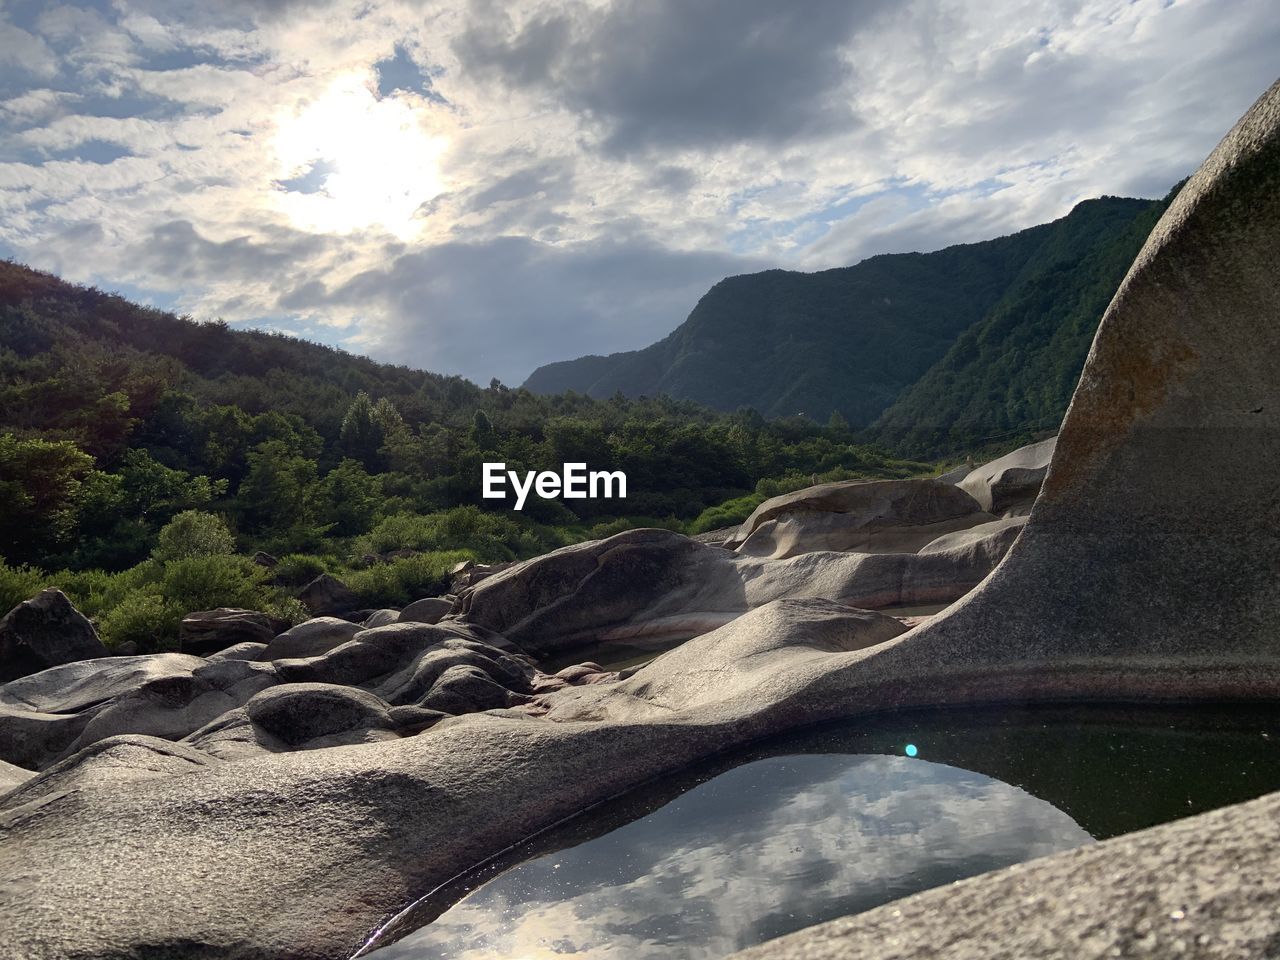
[[834, 821]]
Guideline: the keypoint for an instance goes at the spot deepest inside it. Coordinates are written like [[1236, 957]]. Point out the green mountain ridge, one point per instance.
[[855, 340]]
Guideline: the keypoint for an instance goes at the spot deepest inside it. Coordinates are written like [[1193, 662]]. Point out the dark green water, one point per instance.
[[837, 820]]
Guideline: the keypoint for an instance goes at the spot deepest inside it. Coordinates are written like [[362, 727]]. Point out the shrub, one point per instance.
[[193, 534], [19, 583], [297, 569], [404, 580], [148, 620], [202, 583], [728, 514]]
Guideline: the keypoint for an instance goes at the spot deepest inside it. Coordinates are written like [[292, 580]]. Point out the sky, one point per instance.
[[478, 187]]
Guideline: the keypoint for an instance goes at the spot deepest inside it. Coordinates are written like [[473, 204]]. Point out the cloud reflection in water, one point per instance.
[[766, 848]]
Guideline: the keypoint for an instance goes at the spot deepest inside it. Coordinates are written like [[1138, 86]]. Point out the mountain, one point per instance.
[[1010, 377], [848, 340]]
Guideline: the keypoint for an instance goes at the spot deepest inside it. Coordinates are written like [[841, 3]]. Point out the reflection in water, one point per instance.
[[765, 848]]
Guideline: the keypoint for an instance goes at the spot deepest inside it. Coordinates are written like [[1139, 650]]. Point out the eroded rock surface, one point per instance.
[[1011, 482]]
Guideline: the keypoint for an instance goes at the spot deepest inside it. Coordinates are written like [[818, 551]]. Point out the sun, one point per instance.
[[349, 160]]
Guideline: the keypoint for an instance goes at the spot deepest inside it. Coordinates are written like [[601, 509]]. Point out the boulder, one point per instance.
[[310, 638], [326, 595], [44, 632], [240, 651], [264, 559], [380, 618], [208, 631], [877, 516], [661, 586], [1013, 480], [426, 610]]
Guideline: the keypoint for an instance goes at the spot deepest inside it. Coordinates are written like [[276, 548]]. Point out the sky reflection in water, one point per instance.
[[763, 849]]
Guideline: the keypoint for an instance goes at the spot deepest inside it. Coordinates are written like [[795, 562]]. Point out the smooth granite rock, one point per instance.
[[310, 638], [659, 585], [44, 632], [1148, 570], [207, 631], [1011, 481], [426, 610], [876, 516]]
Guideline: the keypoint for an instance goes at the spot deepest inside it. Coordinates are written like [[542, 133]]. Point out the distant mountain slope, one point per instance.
[[847, 340], [1011, 376]]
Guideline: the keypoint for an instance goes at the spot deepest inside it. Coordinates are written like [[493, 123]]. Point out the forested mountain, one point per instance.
[[1009, 378], [851, 340]]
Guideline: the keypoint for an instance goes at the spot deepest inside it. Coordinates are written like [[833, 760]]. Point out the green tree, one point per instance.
[[40, 488], [193, 534]]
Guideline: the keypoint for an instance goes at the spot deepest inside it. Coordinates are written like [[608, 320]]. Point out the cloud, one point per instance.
[[660, 74], [504, 306], [762, 850]]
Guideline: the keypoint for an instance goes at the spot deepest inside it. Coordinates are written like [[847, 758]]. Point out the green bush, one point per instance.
[[202, 583], [298, 569], [193, 534], [610, 527], [402, 581], [148, 620], [728, 514], [19, 583], [490, 536]]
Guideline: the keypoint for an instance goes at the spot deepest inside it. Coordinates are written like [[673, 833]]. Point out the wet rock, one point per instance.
[[208, 631], [310, 638], [1012, 481], [426, 610], [44, 632], [327, 595]]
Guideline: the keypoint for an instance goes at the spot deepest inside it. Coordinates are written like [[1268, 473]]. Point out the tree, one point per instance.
[[193, 534], [40, 487]]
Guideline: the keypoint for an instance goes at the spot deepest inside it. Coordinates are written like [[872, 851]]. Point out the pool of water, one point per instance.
[[835, 820]]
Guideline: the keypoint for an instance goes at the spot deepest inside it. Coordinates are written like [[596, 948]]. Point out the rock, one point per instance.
[[240, 651], [661, 586], [44, 632], [427, 610], [326, 595], [955, 474], [129, 648], [878, 516], [980, 547], [264, 559], [461, 567], [1011, 481], [13, 776], [107, 763], [310, 638], [380, 618], [299, 712], [207, 631]]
